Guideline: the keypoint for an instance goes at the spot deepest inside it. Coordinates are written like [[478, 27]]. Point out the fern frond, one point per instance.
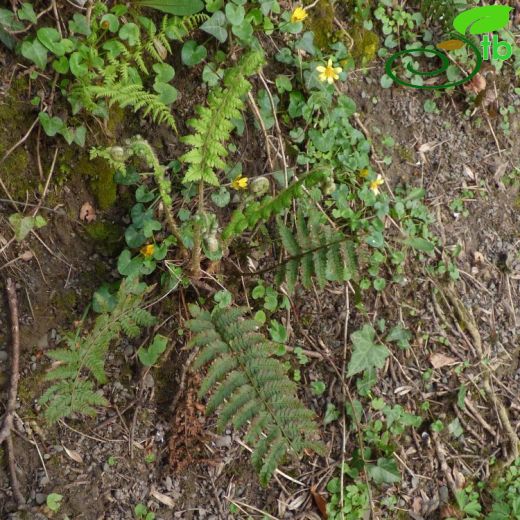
[[213, 125], [268, 206], [250, 385], [136, 97], [85, 356], [315, 251]]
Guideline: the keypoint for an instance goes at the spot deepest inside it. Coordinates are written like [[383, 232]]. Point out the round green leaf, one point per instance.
[[130, 33], [110, 22]]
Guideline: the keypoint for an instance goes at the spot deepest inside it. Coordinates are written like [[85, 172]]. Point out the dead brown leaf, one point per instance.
[[87, 212], [320, 502], [74, 455], [439, 360], [450, 45], [162, 498], [476, 85]]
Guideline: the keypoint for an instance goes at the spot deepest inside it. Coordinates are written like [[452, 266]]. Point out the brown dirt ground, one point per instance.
[[175, 459]]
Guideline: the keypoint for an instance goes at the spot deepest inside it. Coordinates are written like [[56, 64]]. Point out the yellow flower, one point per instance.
[[240, 183], [364, 173], [298, 15], [374, 185], [329, 73], [147, 250]]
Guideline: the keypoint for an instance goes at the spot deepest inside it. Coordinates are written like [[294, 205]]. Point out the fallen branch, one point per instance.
[[7, 423]]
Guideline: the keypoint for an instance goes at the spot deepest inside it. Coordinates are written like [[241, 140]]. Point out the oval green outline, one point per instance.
[[390, 61]]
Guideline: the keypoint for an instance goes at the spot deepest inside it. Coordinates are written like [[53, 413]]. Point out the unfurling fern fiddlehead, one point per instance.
[[251, 387]]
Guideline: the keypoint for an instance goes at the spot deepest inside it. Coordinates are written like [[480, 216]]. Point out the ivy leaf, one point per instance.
[[103, 300], [216, 26], [79, 135], [51, 38], [176, 7], [384, 472], [54, 502], [61, 65], [24, 225], [149, 356], [366, 353], [34, 51], [400, 335], [51, 125], [26, 12], [192, 53], [221, 198], [134, 237], [9, 20], [79, 25]]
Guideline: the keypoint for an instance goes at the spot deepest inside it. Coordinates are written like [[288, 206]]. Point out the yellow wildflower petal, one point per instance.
[[374, 185], [147, 250], [240, 183], [321, 68], [298, 15]]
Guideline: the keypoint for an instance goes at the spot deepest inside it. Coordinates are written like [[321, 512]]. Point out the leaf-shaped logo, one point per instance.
[[481, 20]]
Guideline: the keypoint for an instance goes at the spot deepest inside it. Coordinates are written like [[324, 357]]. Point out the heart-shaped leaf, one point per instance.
[[165, 72], [51, 125], [193, 53], [167, 93], [149, 356], [77, 65], [110, 22], [61, 65], [79, 25], [51, 39], [235, 13], [130, 33], [34, 51], [26, 12]]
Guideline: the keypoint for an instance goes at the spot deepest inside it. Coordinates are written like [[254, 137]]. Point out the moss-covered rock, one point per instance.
[[16, 114], [321, 22], [365, 46], [101, 177], [107, 237]]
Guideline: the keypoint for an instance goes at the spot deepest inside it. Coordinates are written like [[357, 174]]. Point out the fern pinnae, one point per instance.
[[250, 386]]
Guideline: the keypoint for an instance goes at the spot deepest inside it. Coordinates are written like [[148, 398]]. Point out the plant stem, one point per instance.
[[197, 236]]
